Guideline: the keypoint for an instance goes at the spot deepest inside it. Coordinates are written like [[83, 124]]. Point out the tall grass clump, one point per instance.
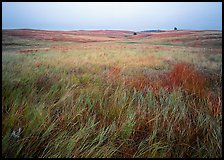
[[186, 76]]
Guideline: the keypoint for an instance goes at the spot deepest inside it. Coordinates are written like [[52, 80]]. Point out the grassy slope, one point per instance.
[[134, 97]]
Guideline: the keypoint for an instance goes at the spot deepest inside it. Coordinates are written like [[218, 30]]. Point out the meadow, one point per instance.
[[89, 94]]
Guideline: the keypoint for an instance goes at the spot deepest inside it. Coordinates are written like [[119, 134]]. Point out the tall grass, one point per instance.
[[62, 119], [74, 105]]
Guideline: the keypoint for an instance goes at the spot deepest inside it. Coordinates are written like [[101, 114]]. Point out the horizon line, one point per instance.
[[108, 29]]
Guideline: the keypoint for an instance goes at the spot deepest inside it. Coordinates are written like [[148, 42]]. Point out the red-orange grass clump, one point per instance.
[[186, 76], [139, 82], [215, 105], [114, 72], [142, 83]]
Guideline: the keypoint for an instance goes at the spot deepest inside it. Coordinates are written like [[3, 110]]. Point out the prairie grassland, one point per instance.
[[149, 95]]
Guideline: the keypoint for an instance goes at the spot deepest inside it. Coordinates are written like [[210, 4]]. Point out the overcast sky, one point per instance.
[[112, 15]]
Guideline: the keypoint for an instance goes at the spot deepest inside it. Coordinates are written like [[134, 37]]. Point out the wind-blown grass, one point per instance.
[[83, 104]]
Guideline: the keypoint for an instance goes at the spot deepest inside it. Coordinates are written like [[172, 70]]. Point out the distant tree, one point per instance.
[[134, 33], [175, 28]]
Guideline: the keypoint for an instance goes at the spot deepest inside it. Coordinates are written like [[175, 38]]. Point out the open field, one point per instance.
[[111, 94]]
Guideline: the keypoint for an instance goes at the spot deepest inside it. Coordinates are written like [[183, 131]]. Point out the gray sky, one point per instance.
[[134, 16]]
